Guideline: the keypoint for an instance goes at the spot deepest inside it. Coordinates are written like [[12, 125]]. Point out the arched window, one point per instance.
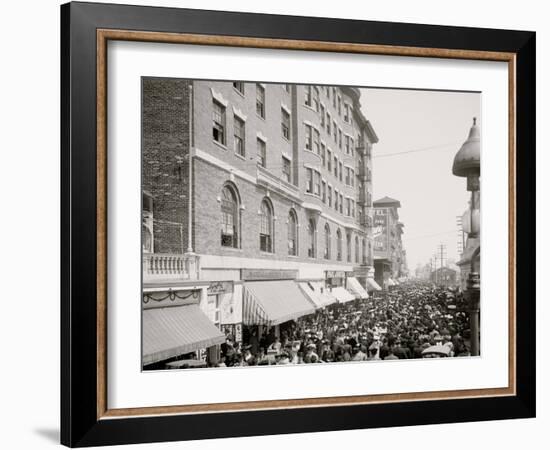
[[364, 252], [311, 230], [230, 218], [348, 247], [338, 245], [266, 226], [327, 242], [292, 233], [357, 249]]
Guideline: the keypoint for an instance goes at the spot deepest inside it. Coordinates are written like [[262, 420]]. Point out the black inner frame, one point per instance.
[[79, 424]]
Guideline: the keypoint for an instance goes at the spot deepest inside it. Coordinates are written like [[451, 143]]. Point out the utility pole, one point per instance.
[[442, 248]]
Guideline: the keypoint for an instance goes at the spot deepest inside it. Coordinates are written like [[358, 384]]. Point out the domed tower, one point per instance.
[[467, 164]]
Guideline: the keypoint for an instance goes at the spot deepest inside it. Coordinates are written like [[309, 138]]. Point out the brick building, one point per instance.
[[252, 188]]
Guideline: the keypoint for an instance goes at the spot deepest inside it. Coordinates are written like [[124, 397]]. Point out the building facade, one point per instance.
[[251, 183], [390, 259]]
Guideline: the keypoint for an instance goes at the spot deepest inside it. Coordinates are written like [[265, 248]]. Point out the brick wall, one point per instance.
[[165, 150]]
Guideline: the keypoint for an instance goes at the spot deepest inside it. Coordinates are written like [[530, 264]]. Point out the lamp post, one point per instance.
[[467, 164]]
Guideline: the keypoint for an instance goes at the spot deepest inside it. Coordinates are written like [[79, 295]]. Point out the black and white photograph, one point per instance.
[[288, 224]]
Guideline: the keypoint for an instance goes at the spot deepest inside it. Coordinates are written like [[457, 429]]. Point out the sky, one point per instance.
[[431, 127]]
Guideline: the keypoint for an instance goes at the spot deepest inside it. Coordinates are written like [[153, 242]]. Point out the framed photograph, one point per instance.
[[274, 224]]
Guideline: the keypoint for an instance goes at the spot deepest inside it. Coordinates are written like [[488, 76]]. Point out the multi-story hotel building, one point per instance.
[[252, 194], [390, 257]]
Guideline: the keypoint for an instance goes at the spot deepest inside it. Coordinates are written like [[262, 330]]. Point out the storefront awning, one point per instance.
[[176, 330], [342, 295], [274, 302], [356, 289], [373, 285], [317, 293]]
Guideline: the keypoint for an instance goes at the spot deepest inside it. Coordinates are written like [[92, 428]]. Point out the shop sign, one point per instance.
[[335, 274], [220, 287], [267, 274]]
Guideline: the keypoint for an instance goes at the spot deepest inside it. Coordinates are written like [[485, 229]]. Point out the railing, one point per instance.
[[168, 266]]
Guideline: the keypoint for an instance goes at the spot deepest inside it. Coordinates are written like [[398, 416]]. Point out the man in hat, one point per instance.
[[310, 356]]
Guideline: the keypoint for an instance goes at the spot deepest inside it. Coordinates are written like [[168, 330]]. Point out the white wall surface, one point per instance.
[[29, 162]]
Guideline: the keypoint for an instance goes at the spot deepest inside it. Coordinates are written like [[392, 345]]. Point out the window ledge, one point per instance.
[[219, 144], [240, 156], [232, 249]]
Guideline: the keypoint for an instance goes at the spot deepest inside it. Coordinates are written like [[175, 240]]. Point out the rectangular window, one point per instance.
[[336, 167], [316, 98], [340, 139], [262, 155], [348, 207], [346, 113], [147, 223], [324, 191], [329, 160], [316, 144], [334, 97], [323, 154], [353, 208], [260, 100], [285, 124], [218, 117], [335, 129], [347, 145], [309, 181], [352, 178], [322, 115], [329, 199], [317, 185], [328, 92], [351, 144], [348, 182], [286, 169], [239, 85], [341, 203], [308, 97], [339, 106], [328, 124], [341, 170], [239, 135], [309, 137], [336, 199]]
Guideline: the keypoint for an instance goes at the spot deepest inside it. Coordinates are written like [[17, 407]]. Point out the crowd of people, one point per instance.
[[399, 324]]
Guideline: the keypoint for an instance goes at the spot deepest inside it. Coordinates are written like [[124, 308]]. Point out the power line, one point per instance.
[[253, 162], [424, 149]]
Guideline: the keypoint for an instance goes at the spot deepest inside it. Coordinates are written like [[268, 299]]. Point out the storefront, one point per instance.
[[175, 328], [355, 288], [272, 298], [317, 293]]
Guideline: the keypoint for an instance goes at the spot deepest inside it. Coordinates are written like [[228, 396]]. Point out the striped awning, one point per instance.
[[373, 285], [317, 293], [342, 295], [355, 288], [274, 302], [176, 330]]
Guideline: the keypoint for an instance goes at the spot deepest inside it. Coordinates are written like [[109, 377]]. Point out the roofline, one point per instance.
[[370, 131]]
